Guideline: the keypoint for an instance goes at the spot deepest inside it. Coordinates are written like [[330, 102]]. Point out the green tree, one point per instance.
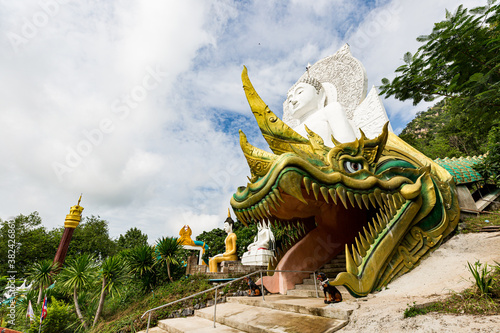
[[92, 237], [24, 238], [244, 236], [167, 250], [41, 275], [132, 238], [114, 273], [459, 60], [142, 265], [78, 275], [490, 168], [59, 318], [215, 241]]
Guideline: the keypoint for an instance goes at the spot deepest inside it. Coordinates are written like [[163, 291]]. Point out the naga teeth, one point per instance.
[[252, 215], [278, 195], [241, 217], [350, 264], [350, 195], [378, 196], [315, 188], [364, 243], [258, 213], [392, 204], [274, 199], [270, 204], [368, 236], [360, 247], [333, 194], [355, 255], [381, 221], [366, 200], [399, 198], [373, 230], [290, 184], [307, 184], [324, 193], [359, 200], [371, 196], [341, 194], [266, 207]]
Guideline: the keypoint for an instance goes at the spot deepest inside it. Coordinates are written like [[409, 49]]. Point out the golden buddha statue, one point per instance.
[[185, 236], [230, 242]]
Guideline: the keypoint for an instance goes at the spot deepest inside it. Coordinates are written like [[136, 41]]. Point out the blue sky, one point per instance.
[[137, 104]]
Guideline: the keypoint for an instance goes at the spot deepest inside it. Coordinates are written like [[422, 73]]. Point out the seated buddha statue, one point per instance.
[[309, 104], [261, 251], [230, 242]]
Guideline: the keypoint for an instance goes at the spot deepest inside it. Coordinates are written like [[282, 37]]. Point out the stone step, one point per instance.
[[193, 324], [304, 305], [309, 286], [309, 281], [311, 292], [255, 319], [334, 265], [303, 293], [153, 330]]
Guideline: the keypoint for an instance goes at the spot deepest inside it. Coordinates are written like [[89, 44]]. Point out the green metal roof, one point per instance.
[[461, 168]]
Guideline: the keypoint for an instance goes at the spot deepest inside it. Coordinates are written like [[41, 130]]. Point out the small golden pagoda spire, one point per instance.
[[74, 216]]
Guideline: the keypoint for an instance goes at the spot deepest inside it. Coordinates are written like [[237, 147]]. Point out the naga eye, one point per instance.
[[352, 167]]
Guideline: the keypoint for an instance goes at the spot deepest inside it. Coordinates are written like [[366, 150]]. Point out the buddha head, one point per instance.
[[228, 225], [306, 96]]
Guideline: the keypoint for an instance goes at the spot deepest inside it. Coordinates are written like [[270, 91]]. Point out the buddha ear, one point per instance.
[[330, 92], [322, 97]]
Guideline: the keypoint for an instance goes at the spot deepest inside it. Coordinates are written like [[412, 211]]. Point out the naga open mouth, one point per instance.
[[386, 206], [327, 213]]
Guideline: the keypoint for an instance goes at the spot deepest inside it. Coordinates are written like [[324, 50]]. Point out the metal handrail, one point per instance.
[[150, 311]]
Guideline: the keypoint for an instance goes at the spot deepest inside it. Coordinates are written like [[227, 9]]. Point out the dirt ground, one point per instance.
[[444, 271]]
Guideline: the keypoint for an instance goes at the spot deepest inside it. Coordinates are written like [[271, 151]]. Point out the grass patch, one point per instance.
[[473, 301], [476, 223], [125, 316], [481, 299]]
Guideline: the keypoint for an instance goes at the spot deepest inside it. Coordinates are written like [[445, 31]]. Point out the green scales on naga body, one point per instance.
[[375, 198]]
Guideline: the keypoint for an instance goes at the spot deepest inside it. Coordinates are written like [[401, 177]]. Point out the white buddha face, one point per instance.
[[302, 100], [227, 227]]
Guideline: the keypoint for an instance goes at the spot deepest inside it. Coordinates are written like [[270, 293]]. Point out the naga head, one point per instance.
[[376, 200]]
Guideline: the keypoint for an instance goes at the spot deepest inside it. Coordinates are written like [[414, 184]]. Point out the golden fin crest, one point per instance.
[[258, 160], [278, 135]]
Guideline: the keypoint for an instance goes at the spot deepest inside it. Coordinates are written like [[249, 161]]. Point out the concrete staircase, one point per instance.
[[278, 313], [307, 288]]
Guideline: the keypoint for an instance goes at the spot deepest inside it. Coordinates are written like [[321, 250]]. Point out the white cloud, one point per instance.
[[120, 99]]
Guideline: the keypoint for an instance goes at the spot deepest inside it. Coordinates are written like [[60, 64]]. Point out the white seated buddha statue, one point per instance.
[[262, 249], [309, 103]]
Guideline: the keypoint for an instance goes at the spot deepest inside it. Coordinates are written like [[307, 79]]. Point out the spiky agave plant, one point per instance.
[[142, 265], [78, 275], [114, 273], [167, 249]]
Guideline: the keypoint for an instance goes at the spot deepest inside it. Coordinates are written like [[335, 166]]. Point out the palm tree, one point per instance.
[[142, 265], [167, 249], [114, 273], [41, 275], [77, 276]]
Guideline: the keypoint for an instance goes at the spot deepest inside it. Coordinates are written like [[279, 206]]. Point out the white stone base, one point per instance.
[[258, 258]]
